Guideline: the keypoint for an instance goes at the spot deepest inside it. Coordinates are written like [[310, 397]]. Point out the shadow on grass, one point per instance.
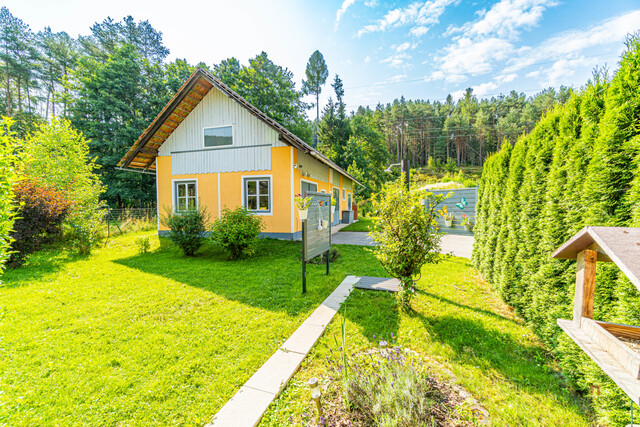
[[489, 349], [467, 307], [376, 312], [37, 265], [270, 279]]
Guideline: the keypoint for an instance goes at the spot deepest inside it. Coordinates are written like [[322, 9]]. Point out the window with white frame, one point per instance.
[[186, 196], [220, 136], [344, 194], [257, 194]]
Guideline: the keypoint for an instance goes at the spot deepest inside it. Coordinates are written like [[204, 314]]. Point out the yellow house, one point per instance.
[[210, 147]]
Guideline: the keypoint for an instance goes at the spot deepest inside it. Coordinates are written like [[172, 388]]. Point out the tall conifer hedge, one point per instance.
[[579, 166]]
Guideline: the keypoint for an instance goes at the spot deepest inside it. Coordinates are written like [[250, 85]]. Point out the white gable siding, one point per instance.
[[252, 139]]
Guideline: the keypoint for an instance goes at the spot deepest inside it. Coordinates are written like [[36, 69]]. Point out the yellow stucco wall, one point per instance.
[[278, 221]]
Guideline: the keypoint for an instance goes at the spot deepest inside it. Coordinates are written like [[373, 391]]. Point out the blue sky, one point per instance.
[[382, 49]]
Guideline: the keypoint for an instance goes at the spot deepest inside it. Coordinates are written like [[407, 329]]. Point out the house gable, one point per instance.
[[252, 139]]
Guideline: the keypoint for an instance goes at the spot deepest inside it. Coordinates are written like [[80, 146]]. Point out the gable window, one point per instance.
[[221, 136], [257, 194], [186, 196], [344, 194]]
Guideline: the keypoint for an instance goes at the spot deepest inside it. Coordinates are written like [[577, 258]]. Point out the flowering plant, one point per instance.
[[444, 213], [302, 203], [333, 201], [465, 220]]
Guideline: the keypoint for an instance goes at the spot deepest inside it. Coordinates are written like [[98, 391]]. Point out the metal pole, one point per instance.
[[304, 256]]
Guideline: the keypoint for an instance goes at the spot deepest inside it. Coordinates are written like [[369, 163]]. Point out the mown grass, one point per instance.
[[462, 325], [119, 338], [363, 224]]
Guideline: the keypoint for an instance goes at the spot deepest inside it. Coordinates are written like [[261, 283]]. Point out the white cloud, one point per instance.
[[367, 59], [574, 42], [397, 60], [417, 14], [397, 78], [505, 18], [343, 9], [484, 89], [467, 56], [419, 31], [506, 78], [403, 46]]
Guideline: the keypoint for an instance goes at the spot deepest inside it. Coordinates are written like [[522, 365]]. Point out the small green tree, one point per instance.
[[407, 235], [57, 155], [8, 177], [186, 229], [237, 231]]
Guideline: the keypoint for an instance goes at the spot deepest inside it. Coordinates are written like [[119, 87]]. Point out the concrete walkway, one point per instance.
[[248, 405], [451, 243]]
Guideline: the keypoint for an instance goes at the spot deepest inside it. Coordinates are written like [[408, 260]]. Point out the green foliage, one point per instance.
[[406, 233], [58, 156], [186, 229], [8, 179], [143, 244], [579, 166], [237, 231], [39, 218]]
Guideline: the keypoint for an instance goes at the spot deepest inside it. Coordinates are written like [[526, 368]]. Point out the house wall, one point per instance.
[[252, 139], [219, 172]]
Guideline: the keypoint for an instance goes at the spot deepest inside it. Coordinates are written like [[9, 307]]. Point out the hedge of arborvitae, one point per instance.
[[579, 166]]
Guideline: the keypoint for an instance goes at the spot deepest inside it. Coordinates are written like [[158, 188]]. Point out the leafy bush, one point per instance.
[[237, 231], [8, 178], [187, 229], [58, 156], [143, 244], [407, 235], [39, 218]]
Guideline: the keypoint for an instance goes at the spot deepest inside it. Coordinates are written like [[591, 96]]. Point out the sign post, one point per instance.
[[316, 232]]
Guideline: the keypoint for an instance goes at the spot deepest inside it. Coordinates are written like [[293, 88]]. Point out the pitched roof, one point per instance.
[[620, 245], [143, 153]]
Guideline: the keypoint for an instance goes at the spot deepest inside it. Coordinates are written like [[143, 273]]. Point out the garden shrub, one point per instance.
[[406, 233], [57, 155], [143, 244], [237, 231], [8, 178], [42, 210], [390, 387], [187, 229], [579, 166]]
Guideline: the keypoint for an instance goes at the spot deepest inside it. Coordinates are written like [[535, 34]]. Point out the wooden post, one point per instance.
[[585, 285], [304, 256]]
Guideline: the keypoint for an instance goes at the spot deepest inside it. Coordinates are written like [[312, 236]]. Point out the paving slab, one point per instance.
[[248, 405], [378, 284], [276, 372], [254, 402]]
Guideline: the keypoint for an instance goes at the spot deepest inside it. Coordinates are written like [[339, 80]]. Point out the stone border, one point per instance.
[[248, 405]]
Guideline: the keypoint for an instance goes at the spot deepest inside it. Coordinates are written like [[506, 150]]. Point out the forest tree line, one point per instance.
[[111, 83]]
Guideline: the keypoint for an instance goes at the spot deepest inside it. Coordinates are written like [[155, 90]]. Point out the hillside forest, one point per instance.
[[112, 82]]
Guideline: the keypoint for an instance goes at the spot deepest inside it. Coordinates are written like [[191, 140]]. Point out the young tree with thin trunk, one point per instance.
[[317, 74]]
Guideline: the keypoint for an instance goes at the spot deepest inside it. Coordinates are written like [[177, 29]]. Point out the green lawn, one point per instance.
[[461, 324], [119, 338], [363, 224]]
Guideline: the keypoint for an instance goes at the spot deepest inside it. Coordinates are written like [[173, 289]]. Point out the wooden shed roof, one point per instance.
[[144, 151], [620, 245]]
